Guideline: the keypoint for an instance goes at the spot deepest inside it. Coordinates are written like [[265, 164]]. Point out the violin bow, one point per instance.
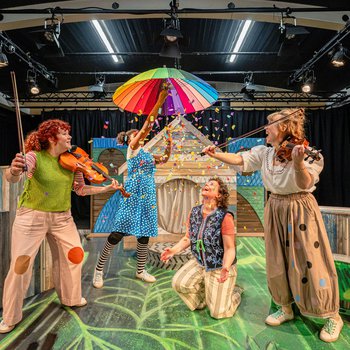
[[18, 117], [253, 132]]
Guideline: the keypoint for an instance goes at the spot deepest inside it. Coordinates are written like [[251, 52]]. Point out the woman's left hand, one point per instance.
[[223, 275], [298, 154]]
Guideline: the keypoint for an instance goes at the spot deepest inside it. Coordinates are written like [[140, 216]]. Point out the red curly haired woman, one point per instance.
[[44, 212]]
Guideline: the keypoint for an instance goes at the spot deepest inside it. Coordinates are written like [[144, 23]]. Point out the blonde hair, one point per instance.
[[292, 126], [124, 136]]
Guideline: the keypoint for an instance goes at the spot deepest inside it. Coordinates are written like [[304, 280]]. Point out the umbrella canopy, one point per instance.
[[187, 93]]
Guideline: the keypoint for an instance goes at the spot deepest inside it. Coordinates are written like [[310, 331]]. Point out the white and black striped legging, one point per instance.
[[113, 239]]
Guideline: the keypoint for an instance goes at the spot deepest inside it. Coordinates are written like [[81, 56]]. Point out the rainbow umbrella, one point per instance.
[[187, 93]]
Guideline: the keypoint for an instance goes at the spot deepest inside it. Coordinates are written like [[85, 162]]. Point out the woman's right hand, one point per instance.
[[209, 150], [17, 165], [114, 185], [167, 254]]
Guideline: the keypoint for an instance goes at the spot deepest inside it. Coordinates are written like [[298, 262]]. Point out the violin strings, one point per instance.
[[253, 132]]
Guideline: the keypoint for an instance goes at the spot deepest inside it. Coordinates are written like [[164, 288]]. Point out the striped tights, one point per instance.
[[113, 239]]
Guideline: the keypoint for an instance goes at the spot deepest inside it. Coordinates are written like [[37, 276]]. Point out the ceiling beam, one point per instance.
[[258, 10]]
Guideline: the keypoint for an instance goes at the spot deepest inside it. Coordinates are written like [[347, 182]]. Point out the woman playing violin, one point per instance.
[[299, 262], [137, 215], [44, 212]]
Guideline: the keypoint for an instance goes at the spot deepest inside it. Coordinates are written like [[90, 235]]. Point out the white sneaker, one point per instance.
[[331, 330], [98, 279], [278, 318], [4, 328], [145, 276]]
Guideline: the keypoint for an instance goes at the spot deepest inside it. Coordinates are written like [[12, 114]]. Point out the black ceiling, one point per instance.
[[140, 37]]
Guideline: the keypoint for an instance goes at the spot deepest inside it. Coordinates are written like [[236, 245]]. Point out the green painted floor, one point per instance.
[[130, 314]]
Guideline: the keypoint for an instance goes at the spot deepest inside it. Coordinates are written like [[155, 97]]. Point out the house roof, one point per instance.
[[188, 143]]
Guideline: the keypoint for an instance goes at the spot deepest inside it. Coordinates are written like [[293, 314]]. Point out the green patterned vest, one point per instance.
[[50, 187]]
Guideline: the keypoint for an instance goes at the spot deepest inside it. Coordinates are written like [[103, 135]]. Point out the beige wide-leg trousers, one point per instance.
[[299, 261], [198, 288], [30, 228]]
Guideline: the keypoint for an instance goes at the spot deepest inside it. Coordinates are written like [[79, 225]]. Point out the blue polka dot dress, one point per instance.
[[137, 215]]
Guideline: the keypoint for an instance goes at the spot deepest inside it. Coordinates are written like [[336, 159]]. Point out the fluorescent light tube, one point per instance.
[[241, 38], [104, 38]]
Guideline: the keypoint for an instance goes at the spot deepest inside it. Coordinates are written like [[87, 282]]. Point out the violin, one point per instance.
[[284, 151], [76, 159]]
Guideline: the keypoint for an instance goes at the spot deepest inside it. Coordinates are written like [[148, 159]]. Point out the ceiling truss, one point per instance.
[[84, 98]]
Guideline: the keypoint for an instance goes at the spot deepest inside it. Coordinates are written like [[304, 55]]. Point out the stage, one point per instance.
[[130, 314]]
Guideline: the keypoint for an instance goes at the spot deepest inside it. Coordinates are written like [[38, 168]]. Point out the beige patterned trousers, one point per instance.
[[299, 261], [198, 288]]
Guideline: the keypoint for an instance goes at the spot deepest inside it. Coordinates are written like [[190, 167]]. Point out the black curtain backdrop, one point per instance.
[[328, 130]]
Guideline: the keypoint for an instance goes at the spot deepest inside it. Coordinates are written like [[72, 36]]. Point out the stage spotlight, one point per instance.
[[308, 82], [338, 56], [171, 34], [248, 95], [248, 88], [291, 38], [98, 88], [306, 87], [47, 39], [33, 86], [3, 58], [170, 47]]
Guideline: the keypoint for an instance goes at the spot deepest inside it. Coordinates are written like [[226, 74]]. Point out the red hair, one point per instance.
[[39, 140]]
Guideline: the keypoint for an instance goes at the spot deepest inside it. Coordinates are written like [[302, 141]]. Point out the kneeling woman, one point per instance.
[[209, 278]]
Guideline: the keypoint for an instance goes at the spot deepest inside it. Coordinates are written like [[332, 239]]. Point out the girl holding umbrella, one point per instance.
[[137, 215]]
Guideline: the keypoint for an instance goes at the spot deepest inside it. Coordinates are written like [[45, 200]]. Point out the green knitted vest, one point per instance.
[[50, 187]]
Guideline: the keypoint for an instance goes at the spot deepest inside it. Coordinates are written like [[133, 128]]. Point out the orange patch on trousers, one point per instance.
[[22, 264], [76, 255]]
